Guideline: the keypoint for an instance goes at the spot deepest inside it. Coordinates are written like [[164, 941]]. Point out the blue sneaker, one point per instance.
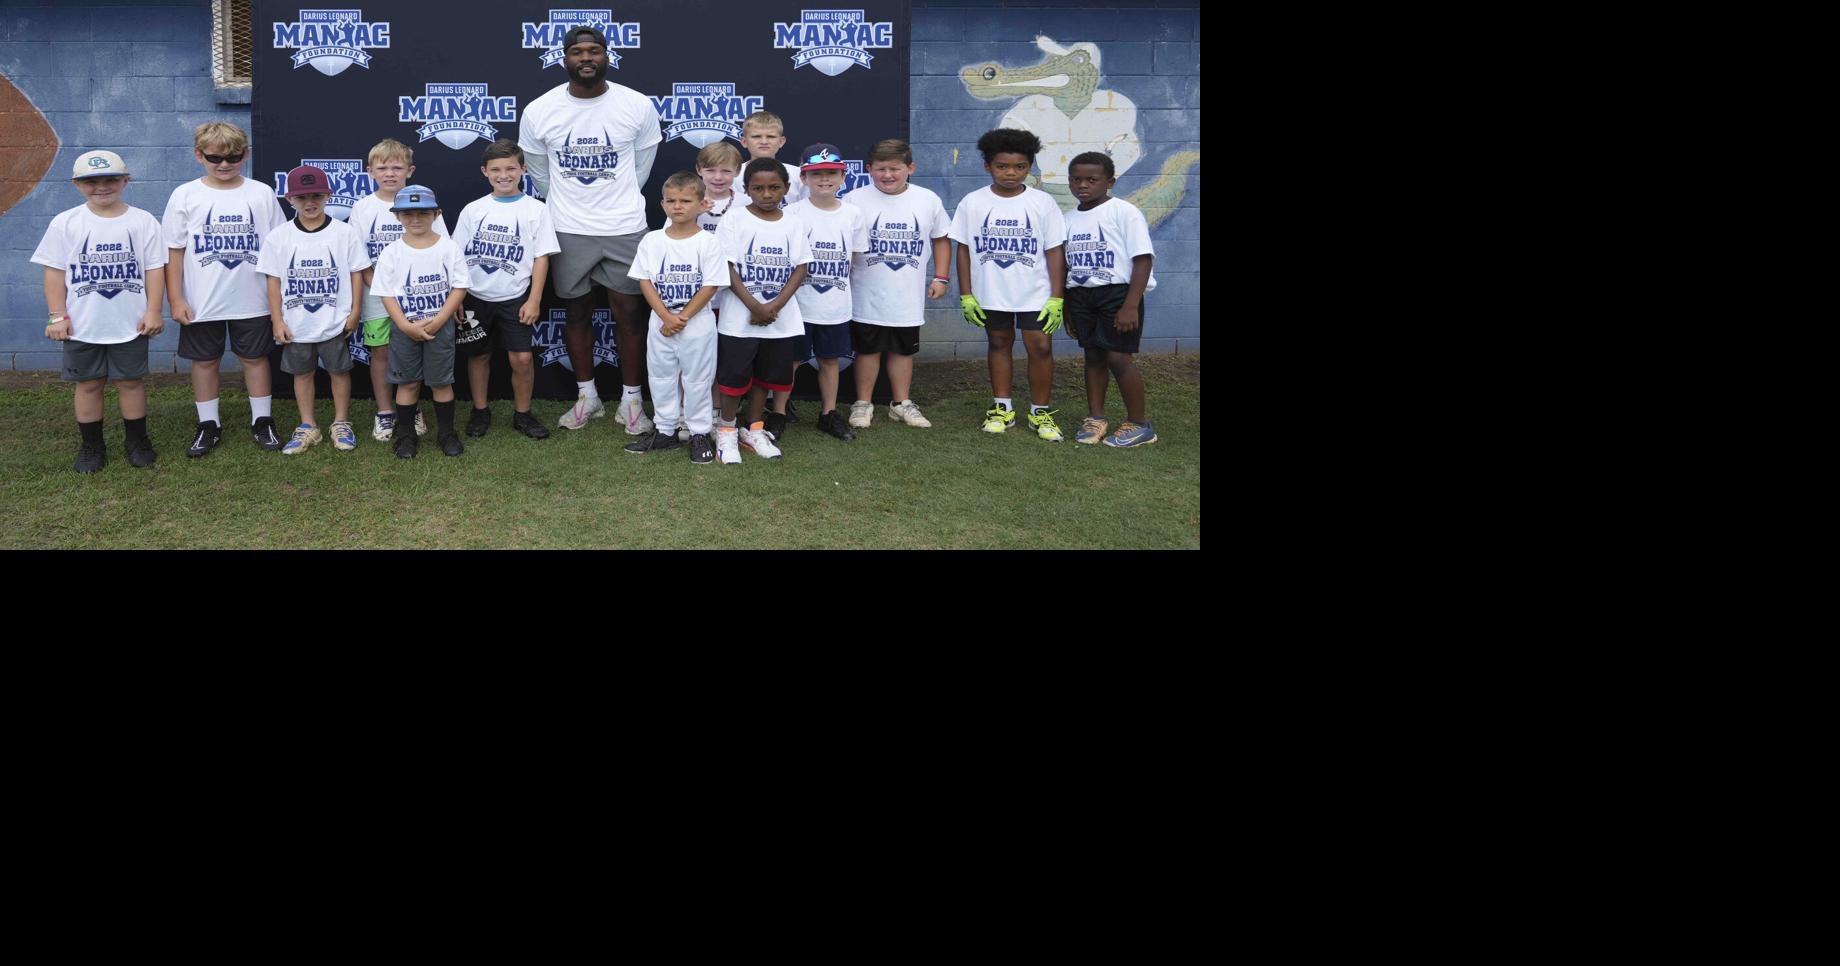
[[1132, 434], [304, 437], [1091, 431]]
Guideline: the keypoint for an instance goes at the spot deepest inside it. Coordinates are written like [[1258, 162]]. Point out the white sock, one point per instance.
[[1006, 403], [1035, 410], [631, 393], [207, 412], [587, 390], [725, 423], [260, 406]]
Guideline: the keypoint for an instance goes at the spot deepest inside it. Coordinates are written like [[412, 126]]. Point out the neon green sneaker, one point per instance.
[[997, 419], [1044, 425]]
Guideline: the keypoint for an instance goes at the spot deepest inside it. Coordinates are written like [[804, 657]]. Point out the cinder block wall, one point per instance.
[[135, 76]]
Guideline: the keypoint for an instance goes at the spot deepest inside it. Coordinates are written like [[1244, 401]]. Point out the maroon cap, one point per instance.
[[306, 180]]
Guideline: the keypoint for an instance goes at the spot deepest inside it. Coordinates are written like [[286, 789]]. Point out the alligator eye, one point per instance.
[[990, 73]]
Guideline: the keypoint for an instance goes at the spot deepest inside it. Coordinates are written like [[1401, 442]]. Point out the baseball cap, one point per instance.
[[306, 180], [97, 164], [821, 157], [413, 197]]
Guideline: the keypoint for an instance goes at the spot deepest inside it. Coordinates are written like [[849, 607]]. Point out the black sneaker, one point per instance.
[[406, 442], [651, 440], [776, 423], [264, 432], [792, 414], [528, 425], [209, 435], [90, 456], [701, 449], [479, 422], [450, 443], [140, 451], [836, 424]]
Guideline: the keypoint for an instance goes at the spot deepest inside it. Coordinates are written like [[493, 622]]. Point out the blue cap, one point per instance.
[[413, 197]]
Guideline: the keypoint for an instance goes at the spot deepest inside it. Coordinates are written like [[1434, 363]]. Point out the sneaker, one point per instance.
[[1091, 431], [997, 419], [727, 446], [383, 425], [1045, 427], [140, 451], [861, 412], [632, 416], [652, 439], [421, 422], [834, 423], [479, 422], [91, 456], [1131, 434], [528, 425], [792, 412], [450, 443], [343, 438], [701, 449], [264, 433], [904, 412], [303, 439], [776, 424], [209, 435], [762, 444], [406, 445], [579, 414]]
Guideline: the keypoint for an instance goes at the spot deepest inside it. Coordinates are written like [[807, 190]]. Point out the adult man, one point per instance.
[[590, 144]]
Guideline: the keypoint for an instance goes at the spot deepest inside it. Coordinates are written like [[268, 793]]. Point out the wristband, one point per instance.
[[55, 318], [941, 278]]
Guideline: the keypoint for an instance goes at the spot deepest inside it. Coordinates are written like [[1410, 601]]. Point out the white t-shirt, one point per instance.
[[315, 269], [892, 274], [590, 142], [1101, 243], [221, 231], [1009, 240], [501, 241], [833, 237], [105, 263], [680, 268], [710, 220], [379, 226], [420, 278], [766, 253]]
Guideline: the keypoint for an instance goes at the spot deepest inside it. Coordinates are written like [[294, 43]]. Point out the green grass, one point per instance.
[[950, 486]]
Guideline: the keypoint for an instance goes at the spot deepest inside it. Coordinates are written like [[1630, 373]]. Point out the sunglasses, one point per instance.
[[823, 157], [224, 158]]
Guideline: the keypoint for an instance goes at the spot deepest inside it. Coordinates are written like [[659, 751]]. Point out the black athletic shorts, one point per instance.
[[496, 326], [249, 339], [743, 363], [1003, 321], [869, 338], [1092, 314]]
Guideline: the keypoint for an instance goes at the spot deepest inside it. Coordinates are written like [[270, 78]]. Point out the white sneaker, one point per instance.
[[762, 444], [728, 448], [380, 429], [632, 416], [907, 413], [583, 410], [861, 412]]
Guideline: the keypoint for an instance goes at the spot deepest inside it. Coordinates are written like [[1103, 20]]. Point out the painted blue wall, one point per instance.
[[142, 97]]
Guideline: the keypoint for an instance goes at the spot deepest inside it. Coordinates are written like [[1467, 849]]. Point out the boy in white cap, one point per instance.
[[103, 287], [422, 278]]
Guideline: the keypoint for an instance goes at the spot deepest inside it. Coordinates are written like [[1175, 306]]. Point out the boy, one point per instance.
[[422, 279], [764, 134], [507, 240], [834, 231], [907, 229], [390, 164], [314, 267], [679, 268], [718, 165], [1011, 248], [1104, 311], [215, 285], [767, 254], [103, 292]]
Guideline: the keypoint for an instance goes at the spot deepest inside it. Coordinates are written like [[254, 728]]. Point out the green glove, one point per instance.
[[1052, 313], [974, 313]]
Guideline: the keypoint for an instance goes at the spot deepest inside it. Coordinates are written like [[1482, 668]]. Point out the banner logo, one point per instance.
[[456, 114], [704, 113], [833, 41], [347, 179], [546, 339], [854, 176], [548, 35], [332, 40]]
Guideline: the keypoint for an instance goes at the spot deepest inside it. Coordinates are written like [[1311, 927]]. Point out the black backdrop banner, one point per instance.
[[448, 78]]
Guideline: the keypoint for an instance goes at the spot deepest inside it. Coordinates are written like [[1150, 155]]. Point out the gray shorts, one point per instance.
[[298, 358], [84, 361], [586, 259], [431, 363]]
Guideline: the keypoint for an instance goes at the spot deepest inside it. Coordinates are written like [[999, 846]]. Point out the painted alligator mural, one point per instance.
[[1059, 99]]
